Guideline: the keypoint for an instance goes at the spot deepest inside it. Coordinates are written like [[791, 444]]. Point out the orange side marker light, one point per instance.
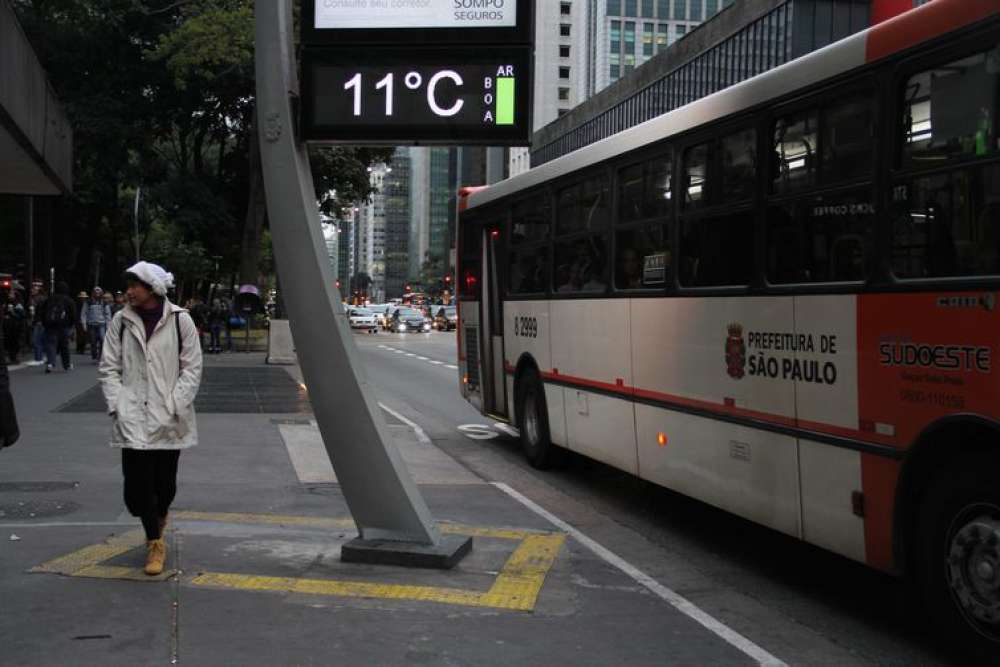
[[661, 439]]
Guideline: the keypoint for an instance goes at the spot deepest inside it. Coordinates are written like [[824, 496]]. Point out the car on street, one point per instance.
[[362, 318], [445, 318], [408, 320]]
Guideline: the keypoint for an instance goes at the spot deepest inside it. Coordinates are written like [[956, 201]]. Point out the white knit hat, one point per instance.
[[153, 275]]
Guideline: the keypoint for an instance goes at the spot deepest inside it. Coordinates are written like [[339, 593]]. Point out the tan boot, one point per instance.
[[156, 556]]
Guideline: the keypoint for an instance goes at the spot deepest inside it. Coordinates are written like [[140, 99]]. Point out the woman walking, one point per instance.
[[150, 372]]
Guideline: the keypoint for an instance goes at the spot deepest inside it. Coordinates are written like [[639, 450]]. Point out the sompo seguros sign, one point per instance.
[[377, 14]]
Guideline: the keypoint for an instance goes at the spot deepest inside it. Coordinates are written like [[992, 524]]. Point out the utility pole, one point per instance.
[[394, 523]]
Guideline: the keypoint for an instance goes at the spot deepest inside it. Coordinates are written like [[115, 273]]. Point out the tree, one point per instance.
[[161, 94]]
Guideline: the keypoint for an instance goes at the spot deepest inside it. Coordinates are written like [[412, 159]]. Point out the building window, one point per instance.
[[680, 30], [563, 93], [711, 8], [630, 8], [661, 37], [662, 9], [616, 36], [695, 10], [629, 37], [564, 72], [647, 9], [614, 7], [564, 8], [564, 30], [680, 10], [647, 39], [564, 51], [615, 72]]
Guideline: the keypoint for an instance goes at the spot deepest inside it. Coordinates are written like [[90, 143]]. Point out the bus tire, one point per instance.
[[958, 556], [533, 423]]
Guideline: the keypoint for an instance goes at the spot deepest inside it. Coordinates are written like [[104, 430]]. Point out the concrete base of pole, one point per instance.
[[280, 346], [443, 556]]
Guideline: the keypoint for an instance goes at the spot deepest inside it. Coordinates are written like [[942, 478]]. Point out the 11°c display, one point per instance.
[[436, 98]]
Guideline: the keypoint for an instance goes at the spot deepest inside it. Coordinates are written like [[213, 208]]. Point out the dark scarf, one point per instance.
[[150, 317]]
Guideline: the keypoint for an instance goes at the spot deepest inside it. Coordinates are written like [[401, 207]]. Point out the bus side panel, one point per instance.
[[715, 353], [527, 330], [829, 475], [827, 373], [590, 349], [748, 472]]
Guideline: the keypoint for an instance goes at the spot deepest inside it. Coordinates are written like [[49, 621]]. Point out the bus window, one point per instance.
[[950, 111], [795, 146], [643, 257], [583, 207], [739, 165], [820, 239], [530, 220], [528, 270], [948, 224], [644, 190], [580, 265], [695, 184], [848, 139], [717, 251]]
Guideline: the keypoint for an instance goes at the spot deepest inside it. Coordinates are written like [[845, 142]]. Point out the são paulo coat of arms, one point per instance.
[[736, 352]]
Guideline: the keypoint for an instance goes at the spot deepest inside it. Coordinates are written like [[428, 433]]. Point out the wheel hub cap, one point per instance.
[[974, 566], [531, 422]]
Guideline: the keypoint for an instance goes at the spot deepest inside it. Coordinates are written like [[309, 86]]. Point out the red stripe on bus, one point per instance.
[[727, 407], [923, 23], [878, 482]]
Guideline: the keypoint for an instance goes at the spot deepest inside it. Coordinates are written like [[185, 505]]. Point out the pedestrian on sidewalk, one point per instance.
[[95, 317], [58, 318], [8, 417], [150, 372], [14, 318], [38, 297]]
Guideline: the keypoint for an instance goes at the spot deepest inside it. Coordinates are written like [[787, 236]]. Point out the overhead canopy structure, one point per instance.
[[36, 141]]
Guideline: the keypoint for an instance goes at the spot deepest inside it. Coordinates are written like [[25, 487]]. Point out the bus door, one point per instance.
[[494, 382]]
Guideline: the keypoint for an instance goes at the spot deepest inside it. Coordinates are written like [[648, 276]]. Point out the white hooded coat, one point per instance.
[[149, 389]]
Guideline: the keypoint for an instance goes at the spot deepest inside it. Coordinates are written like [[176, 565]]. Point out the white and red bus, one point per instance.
[[780, 299]]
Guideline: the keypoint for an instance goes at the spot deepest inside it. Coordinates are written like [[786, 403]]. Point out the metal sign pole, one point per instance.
[[393, 521]]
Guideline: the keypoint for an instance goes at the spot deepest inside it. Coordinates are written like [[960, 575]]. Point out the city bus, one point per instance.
[[780, 299]]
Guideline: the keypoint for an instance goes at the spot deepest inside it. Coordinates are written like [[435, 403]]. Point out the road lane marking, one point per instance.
[[421, 436], [515, 587], [451, 366], [677, 601]]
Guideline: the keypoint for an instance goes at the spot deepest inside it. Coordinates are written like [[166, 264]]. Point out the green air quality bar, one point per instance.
[[505, 100]]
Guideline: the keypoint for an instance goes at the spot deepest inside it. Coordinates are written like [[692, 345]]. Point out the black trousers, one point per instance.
[[150, 485]]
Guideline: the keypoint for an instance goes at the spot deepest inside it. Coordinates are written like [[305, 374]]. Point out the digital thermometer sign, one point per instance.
[[401, 96]]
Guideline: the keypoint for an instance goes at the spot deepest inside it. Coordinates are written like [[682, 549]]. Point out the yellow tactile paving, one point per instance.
[[516, 586]]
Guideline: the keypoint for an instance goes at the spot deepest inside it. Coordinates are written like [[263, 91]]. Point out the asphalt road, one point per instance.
[[801, 604]]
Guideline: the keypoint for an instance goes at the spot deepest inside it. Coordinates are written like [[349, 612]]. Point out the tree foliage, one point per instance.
[[160, 94]]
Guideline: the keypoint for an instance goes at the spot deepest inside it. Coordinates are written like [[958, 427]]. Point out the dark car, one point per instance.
[[406, 320], [445, 318]]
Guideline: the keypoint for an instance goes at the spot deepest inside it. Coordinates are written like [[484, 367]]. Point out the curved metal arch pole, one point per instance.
[[381, 495]]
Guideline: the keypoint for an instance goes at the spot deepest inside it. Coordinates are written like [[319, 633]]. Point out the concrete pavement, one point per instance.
[[255, 576]]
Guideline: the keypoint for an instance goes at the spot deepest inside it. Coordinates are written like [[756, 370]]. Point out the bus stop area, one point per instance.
[[253, 569]]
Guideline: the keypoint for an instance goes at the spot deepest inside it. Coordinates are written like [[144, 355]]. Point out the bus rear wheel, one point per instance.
[[958, 562], [533, 423]]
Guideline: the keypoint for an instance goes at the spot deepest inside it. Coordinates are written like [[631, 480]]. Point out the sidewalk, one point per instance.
[[254, 543]]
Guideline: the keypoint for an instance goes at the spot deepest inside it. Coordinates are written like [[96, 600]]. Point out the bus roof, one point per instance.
[[901, 32]]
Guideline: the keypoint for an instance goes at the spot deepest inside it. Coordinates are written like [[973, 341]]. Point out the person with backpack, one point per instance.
[[58, 317], [95, 316], [150, 372]]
